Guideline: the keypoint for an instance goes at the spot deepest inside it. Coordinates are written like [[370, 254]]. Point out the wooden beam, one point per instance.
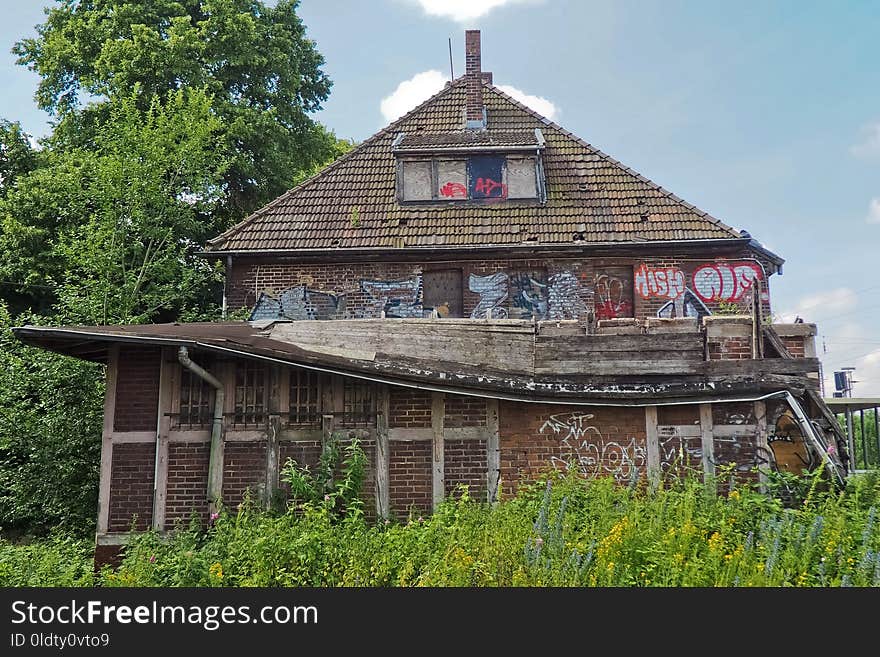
[[167, 388], [438, 477], [383, 453], [708, 440], [653, 446], [272, 457], [761, 443], [493, 451], [107, 440]]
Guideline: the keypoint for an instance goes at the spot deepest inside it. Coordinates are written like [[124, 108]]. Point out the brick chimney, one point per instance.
[[475, 118]]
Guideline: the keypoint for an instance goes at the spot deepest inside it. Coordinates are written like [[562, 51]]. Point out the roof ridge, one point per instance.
[[665, 192], [232, 230]]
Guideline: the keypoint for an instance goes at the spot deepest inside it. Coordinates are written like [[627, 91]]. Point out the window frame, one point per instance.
[[434, 159]]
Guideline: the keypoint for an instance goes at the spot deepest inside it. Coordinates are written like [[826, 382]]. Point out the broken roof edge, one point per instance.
[[509, 388]]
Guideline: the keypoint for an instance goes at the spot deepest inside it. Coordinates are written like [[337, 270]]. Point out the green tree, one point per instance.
[[110, 234], [255, 60], [17, 156]]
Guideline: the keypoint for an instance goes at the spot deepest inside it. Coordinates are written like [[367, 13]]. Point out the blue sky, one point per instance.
[[766, 115]]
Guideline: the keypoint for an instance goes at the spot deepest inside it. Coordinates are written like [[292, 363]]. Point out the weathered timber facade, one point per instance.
[[476, 295]]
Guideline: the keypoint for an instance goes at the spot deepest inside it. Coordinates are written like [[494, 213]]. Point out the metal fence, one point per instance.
[[860, 419]]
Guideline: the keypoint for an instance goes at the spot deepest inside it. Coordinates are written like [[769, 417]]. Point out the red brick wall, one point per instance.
[[244, 466], [464, 411], [131, 486], [410, 477], [304, 452], [465, 463], [600, 440], [729, 348], [409, 407], [795, 345], [248, 279], [187, 483], [137, 389]]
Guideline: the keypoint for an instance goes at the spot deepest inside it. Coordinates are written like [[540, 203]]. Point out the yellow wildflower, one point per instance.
[[216, 570]]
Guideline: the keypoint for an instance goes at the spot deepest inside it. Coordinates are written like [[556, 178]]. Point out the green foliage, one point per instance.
[[50, 437], [559, 531], [338, 495], [57, 561], [17, 156], [253, 58]]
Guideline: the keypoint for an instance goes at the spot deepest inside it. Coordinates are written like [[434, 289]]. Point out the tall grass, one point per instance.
[[561, 531]]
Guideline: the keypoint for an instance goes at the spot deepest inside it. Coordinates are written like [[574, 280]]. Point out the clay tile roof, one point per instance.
[[469, 139], [591, 197]]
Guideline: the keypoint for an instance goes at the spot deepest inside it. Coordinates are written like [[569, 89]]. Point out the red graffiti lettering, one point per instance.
[[490, 188], [725, 281], [453, 190], [609, 309], [666, 282]]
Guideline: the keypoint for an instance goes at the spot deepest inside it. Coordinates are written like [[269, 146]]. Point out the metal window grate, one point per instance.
[[305, 398], [250, 394], [359, 404], [196, 400]]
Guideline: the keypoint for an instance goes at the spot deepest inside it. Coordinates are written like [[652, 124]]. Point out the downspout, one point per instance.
[[215, 456]]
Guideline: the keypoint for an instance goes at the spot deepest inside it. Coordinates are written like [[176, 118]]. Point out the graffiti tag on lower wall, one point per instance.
[[687, 305], [613, 293], [584, 447], [299, 302], [564, 298], [662, 282], [493, 293], [528, 295], [395, 298]]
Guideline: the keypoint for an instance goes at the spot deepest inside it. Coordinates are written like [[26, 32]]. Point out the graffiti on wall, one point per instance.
[[725, 281], [563, 297], [529, 297], [612, 289], [584, 448], [297, 303], [661, 282], [687, 305], [493, 293], [485, 176], [395, 298]]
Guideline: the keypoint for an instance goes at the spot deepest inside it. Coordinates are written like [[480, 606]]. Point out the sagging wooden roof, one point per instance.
[[510, 359]]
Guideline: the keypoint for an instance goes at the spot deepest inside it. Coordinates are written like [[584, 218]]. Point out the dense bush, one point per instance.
[[560, 531]]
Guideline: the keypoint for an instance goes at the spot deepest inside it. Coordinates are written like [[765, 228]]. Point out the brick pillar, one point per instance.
[[474, 77], [728, 337]]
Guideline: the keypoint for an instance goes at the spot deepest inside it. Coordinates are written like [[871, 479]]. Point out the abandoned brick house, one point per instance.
[[478, 295]]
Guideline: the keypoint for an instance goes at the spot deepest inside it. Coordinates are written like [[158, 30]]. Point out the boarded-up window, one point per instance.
[[452, 179], [250, 393], [305, 398], [196, 398], [442, 292], [417, 181], [521, 177], [359, 403], [486, 177], [613, 292], [528, 294]]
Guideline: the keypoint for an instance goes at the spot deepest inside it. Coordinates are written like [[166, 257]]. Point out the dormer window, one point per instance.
[[466, 167]]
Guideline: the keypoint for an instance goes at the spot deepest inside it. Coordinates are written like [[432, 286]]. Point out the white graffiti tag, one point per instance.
[[724, 281], [584, 447]]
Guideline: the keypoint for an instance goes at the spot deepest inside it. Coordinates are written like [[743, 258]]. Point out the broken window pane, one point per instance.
[[486, 177], [521, 178], [417, 180], [451, 179]]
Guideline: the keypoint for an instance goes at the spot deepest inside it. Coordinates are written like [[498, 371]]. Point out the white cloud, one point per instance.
[[540, 104], [825, 304], [410, 93], [866, 378], [874, 211], [466, 10], [869, 146]]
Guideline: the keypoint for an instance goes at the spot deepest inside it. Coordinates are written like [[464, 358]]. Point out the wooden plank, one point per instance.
[[603, 343], [707, 441], [438, 478], [749, 367], [120, 437], [383, 453], [467, 433], [693, 356], [272, 458], [167, 389], [410, 433], [761, 442], [653, 446], [618, 368], [107, 439], [493, 451], [189, 436]]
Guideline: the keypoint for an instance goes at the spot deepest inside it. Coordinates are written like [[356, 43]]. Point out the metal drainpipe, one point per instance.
[[215, 457]]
